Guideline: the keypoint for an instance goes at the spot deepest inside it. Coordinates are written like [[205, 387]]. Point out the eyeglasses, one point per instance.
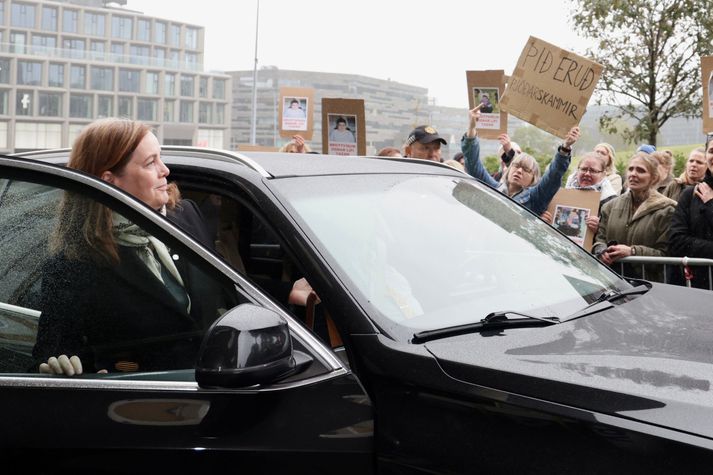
[[591, 171], [522, 167]]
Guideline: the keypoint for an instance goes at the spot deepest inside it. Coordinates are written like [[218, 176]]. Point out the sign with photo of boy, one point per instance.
[[707, 75], [295, 112], [485, 89], [343, 127], [569, 210]]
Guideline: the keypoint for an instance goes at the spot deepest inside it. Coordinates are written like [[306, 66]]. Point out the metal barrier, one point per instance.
[[686, 262]]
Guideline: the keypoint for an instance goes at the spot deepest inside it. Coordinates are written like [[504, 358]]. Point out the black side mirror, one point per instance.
[[246, 346]]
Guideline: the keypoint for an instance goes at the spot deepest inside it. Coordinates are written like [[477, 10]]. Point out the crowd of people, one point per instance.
[[648, 212]]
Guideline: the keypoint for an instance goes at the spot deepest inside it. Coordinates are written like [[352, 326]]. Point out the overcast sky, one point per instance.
[[426, 44]]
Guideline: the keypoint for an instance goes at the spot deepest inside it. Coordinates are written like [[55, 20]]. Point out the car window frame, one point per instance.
[[59, 176]]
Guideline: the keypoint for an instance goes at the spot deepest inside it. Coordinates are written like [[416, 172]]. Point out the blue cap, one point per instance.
[[646, 148]]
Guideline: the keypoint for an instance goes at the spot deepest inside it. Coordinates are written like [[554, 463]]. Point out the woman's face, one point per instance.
[[144, 176], [520, 174], [603, 152], [638, 177], [696, 166], [590, 172]]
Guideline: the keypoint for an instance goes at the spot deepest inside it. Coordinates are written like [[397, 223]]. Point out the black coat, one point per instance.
[[691, 235]]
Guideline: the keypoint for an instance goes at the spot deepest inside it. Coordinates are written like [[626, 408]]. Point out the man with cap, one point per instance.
[[424, 143]]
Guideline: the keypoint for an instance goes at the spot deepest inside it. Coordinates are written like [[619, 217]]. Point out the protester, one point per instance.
[[636, 223], [506, 151], [424, 143], [691, 233], [455, 164], [665, 159], [694, 172], [522, 181], [392, 152], [590, 175], [460, 158], [607, 151], [296, 145]]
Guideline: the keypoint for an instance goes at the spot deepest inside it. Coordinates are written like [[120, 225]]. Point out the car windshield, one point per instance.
[[431, 252]]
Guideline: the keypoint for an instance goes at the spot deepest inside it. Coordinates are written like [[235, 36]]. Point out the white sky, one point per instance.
[[426, 44]]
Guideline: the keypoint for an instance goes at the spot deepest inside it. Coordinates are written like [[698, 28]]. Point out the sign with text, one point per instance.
[[486, 88], [570, 209], [343, 127], [550, 87], [296, 111], [707, 78]]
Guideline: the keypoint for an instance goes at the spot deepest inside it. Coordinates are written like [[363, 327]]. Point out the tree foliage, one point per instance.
[[651, 53]]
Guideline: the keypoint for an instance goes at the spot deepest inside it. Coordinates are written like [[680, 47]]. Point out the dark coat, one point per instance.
[[691, 235]]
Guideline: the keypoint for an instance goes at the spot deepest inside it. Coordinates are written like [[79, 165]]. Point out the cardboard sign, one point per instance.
[[569, 209], [296, 111], [246, 147], [486, 88], [343, 127], [707, 76], [550, 87]]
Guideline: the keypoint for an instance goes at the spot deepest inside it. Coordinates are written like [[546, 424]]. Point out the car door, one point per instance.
[[139, 414]]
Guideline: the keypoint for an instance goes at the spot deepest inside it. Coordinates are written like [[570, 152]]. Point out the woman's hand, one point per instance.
[[69, 366], [473, 115], [504, 140], [616, 252], [592, 223], [704, 192], [572, 137], [546, 216], [300, 142], [301, 290]]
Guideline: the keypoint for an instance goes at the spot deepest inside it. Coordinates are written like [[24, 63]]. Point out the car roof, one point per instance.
[[280, 165]]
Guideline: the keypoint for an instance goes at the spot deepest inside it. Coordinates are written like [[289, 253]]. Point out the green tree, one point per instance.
[[651, 53]]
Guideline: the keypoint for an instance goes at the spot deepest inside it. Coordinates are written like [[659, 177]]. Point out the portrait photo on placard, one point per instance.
[[571, 222], [488, 98], [710, 95], [342, 134], [294, 113]]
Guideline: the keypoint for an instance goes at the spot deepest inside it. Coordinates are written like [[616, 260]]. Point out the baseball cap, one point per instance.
[[424, 134], [646, 148]]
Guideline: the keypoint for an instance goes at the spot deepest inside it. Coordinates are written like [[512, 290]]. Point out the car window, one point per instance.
[[144, 309]]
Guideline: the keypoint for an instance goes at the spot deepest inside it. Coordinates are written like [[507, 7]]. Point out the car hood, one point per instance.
[[649, 359]]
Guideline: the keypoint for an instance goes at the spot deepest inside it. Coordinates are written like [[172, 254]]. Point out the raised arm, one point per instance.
[[470, 147]]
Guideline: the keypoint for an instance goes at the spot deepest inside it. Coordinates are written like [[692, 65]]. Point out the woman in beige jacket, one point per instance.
[[636, 223]]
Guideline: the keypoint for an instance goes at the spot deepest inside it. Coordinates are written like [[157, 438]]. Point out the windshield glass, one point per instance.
[[434, 251]]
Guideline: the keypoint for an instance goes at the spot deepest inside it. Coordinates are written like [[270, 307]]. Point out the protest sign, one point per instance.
[[707, 77], [569, 209], [550, 87], [486, 88], [343, 127], [244, 147], [296, 107]]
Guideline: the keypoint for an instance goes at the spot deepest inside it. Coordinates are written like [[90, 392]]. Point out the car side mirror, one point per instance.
[[248, 345]]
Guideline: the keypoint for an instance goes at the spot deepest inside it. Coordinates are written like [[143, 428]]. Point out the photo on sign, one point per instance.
[[571, 222], [710, 91], [488, 98], [294, 113], [342, 134]]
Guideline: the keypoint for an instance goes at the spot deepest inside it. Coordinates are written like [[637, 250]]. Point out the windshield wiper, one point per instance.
[[491, 321], [608, 296]]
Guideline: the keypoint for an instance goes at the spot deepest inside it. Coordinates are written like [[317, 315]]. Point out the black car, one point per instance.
[[457, 333]]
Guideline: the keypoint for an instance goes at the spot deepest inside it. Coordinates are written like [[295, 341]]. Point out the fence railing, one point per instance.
[[689, 265]]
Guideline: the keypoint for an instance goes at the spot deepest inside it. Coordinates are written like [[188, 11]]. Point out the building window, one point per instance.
[[97, 49], [160, 55], [50, 104], [18, 41], [143, 30], [169, 111], [22, 15], [191, 59], [105, 106], [43, 44], [4, 102], [129, 80], [4, 71], [203, 87], [29, 73], [49, 18], [205, 113], [173, 56], [24, 101], [2, 13], [174, 35], [209, 138], [34, 135], [77, 77], [70, 21], [139, 54], [126, 107], [191, 39], [55, 75], [169, 84], [117, 52], [80, 106], [121, 27], [74, 48], [94, 24], [220, 114], [186, 111], [159, 34], [102, 78], [146, 109], [151, 83], [218, 88], [187, 86]]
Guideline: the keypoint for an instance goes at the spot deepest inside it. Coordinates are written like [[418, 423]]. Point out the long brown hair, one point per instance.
[[84, 229]]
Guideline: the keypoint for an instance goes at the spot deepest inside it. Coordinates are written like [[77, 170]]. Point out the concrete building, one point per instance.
[[66, 63]]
